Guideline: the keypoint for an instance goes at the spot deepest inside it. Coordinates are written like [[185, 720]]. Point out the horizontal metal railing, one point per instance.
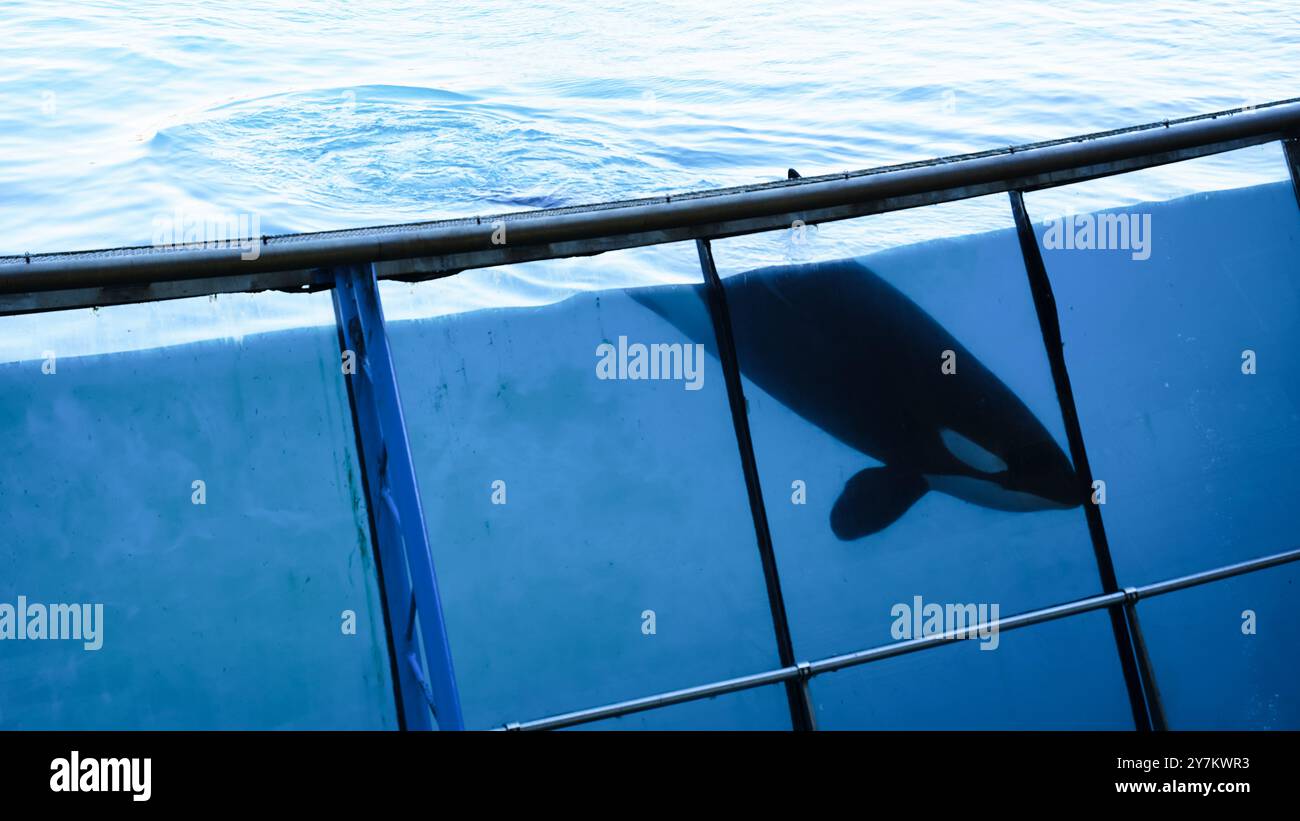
[[428, 250], [808, 670]]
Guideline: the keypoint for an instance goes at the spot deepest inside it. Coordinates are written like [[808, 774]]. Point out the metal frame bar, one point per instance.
[[801, 714], [1291, 150], [402, 542], [1150, 692], [807, 670], [1136, 674], [428, 250]]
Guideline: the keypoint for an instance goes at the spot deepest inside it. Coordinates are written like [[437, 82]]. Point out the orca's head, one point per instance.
[[1030, 474]]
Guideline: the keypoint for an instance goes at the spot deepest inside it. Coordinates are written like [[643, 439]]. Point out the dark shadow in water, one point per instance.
[[851, 354]]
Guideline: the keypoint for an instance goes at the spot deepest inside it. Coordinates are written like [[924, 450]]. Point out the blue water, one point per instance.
[[342, 114]]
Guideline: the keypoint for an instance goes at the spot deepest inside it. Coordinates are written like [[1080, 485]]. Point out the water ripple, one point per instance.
[[411, 151]]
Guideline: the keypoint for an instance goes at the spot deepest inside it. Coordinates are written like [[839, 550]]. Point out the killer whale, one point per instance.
[[852, 354]]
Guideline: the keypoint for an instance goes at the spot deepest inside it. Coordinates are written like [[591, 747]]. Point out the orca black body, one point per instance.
[[853, 355]]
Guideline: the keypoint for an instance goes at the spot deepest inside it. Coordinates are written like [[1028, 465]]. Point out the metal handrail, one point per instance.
[[807, 670], [431, 249]]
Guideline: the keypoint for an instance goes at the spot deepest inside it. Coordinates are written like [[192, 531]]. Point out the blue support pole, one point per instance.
[[410, 585]]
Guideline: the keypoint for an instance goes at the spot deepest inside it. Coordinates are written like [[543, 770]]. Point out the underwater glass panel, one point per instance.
[[1059, 675], [1224, 653], [1181, 323], [195, 500], [588, 519], [906, 427]]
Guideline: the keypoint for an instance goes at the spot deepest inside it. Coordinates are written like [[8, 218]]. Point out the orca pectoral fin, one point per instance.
[[873, 500]]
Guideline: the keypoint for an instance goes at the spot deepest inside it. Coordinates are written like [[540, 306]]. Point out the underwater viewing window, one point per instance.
[[756, 497], [1246, 631], [204, 502], [909, 440], [585, 502], [1181, 321]]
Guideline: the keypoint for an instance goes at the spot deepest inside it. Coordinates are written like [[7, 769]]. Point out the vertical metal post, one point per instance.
[[411, 587], [1149, 689], [1291, 150], [1050, 324], [801, 716]]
